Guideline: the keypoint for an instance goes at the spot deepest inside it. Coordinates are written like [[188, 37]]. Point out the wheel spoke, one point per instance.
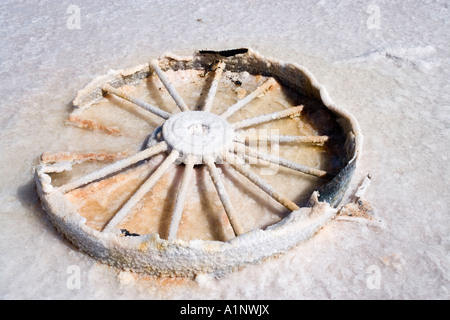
[[146, 106], [141, 192], [268, 117], [176, 97], [241, 103], [247, 151], [223, 195], [252, 136], [181, 197], [260, 183], [220, 66], [114, 167]]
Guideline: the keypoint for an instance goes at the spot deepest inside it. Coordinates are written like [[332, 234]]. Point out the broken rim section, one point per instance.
[[174, 257]]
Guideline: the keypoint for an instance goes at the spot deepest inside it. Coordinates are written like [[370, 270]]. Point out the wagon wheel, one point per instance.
[[190, 138]]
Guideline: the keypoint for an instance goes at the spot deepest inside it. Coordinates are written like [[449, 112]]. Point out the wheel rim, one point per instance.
[[192, 138]]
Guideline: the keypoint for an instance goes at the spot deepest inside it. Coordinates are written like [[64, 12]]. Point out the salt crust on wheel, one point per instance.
[[154, 255]]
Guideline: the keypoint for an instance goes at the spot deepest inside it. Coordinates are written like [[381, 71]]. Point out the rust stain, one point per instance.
[[93, 125], [207, 221], [224, 219], [275, 87], [241, 93], [47, 157], [127, 88], [99, 201], [95, 187], [164, 282], [149, 215]]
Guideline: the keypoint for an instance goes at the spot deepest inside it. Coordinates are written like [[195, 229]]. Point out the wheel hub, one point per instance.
[[198, 134]]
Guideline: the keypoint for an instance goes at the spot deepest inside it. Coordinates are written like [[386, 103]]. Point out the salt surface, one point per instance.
[[385, 62]]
